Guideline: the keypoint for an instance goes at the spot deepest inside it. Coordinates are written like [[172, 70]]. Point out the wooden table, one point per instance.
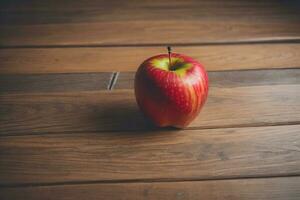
[[70, 127]]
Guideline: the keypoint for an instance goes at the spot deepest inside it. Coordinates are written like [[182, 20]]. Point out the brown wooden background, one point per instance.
[[70, 127]]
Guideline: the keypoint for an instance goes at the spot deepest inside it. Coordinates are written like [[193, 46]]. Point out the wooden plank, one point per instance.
[[46, 12], [100, 23], [252, 189], [12, 83], [117, 110], [54, 82], [143, 32], [99, 59], [231, 78], [153, 156]]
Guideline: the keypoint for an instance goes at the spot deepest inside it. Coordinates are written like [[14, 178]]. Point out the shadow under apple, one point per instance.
[[117, 116]]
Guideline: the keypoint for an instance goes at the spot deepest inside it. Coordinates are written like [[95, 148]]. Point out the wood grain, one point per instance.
[[251, 189], [35, 83], [117, 110], [107, 23], [62, 136], [160, 155], [54, 12], [231, 78], [54, 82], [100, 59], [144, 32]]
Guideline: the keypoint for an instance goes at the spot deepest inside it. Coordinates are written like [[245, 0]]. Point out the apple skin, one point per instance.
[[171, 95]]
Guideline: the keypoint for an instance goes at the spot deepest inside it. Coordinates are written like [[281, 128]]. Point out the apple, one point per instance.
[[171, 89]]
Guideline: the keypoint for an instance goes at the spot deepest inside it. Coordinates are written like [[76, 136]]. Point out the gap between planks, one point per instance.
[[82, 82], [92, 60], [133, 181], [164, 129], [253, 152], [276, 188], [194, 44], [107, 111]]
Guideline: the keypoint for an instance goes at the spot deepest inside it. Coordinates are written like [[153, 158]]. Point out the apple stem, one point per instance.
[[169, 52]]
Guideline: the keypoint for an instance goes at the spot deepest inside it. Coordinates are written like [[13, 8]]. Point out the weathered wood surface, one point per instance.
[[286, 188], [136, 23], [63, 135], [106, 111], [75, 82], [100, 59], [146, 155]]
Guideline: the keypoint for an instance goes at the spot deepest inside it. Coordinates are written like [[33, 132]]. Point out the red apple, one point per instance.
[[171, 89]]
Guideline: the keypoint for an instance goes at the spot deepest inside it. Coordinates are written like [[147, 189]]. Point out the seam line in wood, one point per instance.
[[263, 41], [158, 180], [113, 80], [294, 123]]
